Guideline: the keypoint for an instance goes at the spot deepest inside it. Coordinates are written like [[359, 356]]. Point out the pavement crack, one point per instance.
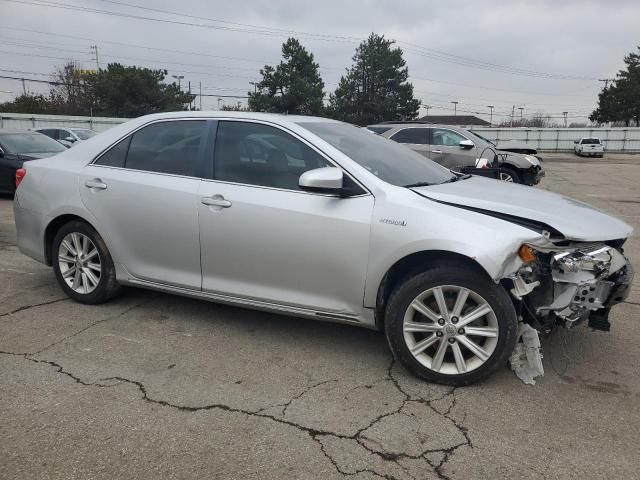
[[27, 307]]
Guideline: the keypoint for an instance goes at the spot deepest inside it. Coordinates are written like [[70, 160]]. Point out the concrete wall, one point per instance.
[[27, 121], [559, 139]]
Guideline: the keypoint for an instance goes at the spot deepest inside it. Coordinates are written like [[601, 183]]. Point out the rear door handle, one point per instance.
[[96, 183], [436, 151], [216, 201]]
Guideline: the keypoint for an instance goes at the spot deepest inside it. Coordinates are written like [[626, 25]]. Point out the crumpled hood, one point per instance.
[[574, 219]]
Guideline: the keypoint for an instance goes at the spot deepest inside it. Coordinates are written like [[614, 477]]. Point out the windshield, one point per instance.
[[591, 141], [83, 134], [481, 137], [30, 143], [394, 163]]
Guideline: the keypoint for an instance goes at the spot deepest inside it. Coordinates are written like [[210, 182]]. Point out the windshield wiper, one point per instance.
[[456, 178], [418, 184]]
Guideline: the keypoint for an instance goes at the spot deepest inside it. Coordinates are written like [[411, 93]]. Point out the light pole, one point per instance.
[[427, 107], [255, 86], [455, 108], [564, 114], [521, 110], [219, 101], [490, 115], [178, 77]]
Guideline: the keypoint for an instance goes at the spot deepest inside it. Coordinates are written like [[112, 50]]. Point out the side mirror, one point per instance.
[[69, 139], [466, 144], [322, 180], [575, 141]]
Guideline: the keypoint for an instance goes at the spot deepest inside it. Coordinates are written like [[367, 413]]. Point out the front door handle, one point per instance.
[[96, 183], [216, 201], [436, 151]]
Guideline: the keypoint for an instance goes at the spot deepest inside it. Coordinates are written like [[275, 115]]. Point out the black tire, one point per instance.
[[513, 173], [460, 276], [107, 286]]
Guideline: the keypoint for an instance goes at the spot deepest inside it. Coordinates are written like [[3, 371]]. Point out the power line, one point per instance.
[[416, 49]]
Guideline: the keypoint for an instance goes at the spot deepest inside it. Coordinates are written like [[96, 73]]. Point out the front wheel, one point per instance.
[[83, 265], [509, 175], [451, 325]]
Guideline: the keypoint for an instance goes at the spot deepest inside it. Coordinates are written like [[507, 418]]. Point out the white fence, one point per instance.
[[27, 121], [550, 139], [559, 139]]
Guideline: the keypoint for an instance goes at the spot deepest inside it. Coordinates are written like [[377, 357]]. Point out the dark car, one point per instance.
[[19, 146]]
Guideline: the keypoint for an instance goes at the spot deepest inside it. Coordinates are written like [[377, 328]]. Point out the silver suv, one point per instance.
[[319, 219], [457, 148]]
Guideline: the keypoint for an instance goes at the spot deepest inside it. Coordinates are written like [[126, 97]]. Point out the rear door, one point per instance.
[[144, 194], [416, 138], [265, 240], [446, 150]]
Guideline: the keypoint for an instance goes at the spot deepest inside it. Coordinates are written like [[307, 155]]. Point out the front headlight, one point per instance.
[[532, 160]]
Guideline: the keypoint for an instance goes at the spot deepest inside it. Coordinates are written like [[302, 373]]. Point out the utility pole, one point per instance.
[[255, 87], [455, 108], [606, 81], [513, 109], [564, 114], [490, 115], [219, 100], [24, 87], [190, 100], [94, 51], [427, 107], [521, 110], [200, 96]]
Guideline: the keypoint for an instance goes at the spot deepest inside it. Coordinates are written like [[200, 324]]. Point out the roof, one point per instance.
[[461, 120]]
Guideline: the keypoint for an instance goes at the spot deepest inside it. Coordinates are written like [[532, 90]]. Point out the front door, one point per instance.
[[144, 194], [446, 150], [265, 240]]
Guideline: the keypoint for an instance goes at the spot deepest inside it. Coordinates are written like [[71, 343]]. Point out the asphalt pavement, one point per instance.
[[157, 386]]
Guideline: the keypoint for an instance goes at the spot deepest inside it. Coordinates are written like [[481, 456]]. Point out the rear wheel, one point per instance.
[[83, 265], [451, 325]]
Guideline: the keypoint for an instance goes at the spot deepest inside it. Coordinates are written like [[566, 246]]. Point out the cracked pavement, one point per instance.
[[153, 385]]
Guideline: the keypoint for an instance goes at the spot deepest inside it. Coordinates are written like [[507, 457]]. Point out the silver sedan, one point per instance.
[[319, 219]]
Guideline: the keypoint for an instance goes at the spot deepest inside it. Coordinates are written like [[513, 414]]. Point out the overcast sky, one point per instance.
[[478, 53]]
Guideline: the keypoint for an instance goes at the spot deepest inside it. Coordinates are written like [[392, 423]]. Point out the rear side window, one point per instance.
[[116, 155], [378, 130], [164, 147], [411, 135]]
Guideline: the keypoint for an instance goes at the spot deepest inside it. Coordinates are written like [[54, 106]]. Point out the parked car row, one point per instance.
[[316, 218]]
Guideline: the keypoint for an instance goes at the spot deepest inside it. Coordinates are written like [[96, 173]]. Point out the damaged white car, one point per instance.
[[319, 219]]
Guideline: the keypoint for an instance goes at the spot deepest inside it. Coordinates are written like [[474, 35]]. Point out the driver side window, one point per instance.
[[447, 138], [257, 154]]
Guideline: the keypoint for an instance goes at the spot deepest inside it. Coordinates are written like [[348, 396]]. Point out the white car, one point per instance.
[[590, 146], [67, 136]]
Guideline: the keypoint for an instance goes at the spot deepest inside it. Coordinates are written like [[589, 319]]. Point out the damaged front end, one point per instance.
[[572, 284]]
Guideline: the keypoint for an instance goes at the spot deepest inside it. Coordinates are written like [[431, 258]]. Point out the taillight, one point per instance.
[[20, 174]]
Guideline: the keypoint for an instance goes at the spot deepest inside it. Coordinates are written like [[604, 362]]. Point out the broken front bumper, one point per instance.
[[573, 286]]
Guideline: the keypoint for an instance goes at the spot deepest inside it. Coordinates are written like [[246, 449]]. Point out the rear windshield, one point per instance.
[[83, 134], [30, 143], [590, 141], [378, 130]]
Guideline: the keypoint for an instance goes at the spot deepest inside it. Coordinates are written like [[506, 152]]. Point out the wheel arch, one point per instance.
[[52, 228], [414, 263]]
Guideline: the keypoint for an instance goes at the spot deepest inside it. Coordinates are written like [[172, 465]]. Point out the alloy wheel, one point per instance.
[[80, 263], [505, 177], [450, 329]]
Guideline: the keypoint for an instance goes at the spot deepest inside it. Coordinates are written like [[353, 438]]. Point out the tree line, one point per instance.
[[375, 88]]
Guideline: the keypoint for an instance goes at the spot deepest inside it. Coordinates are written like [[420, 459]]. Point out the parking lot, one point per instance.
[[158, 386]]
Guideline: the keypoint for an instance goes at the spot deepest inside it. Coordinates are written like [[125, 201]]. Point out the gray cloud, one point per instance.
[[572, 38]]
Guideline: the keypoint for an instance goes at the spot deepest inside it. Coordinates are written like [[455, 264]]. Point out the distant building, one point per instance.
[[462, 120]]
